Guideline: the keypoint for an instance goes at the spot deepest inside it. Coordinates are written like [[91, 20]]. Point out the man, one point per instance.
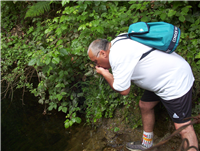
[[165, 77]]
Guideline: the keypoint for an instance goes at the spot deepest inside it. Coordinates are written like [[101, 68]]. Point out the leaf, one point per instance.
[[194, 42], [82, 27], [55, 60], [41, 101], [48, 60], [59, 42], [185, 9], [144, 19], [64, 109], [116, 129], [64, 103], [133, 6], [63, 52], [182, 18], [38, 9], [64, 2], [171, 13], [79, 94], [163, 16], [78, 120], [59, 96], [132, 2], [55, 19], [50, 108], [97, 2], [73, 119], [74, 114], [55, 106], [63, 93], [67, 124], [169, 1], [70, 123], [60, 85], [32, 61], [197, 56], [58, 31], [89, 73], [63, 18], [60, 108]]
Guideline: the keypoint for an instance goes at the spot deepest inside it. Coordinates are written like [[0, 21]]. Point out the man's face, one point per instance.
[[101, 59]]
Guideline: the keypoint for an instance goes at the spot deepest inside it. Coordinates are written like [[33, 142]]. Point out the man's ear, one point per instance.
[[103, 53]]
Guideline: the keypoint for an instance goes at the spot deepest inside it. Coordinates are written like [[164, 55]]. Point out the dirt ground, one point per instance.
[[103, 137]]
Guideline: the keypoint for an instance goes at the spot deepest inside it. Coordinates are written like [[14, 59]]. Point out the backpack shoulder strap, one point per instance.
[[146, 53], [124, 36]]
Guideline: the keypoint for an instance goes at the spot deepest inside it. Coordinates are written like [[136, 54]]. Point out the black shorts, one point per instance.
[[178, 109]]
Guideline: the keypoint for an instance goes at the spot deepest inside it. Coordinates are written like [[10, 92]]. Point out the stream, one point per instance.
[[25, 128]]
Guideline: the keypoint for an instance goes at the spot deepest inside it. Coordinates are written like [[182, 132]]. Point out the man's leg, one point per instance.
[[188, 133], [147, 112], [147, 104]]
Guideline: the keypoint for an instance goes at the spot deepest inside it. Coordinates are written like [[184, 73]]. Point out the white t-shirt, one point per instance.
[[168, 75]]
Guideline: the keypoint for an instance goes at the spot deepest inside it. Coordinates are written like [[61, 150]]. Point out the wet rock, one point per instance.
[[109, 149]]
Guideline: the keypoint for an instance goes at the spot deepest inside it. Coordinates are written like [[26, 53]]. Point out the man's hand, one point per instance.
[[101, 70], [109, 78]]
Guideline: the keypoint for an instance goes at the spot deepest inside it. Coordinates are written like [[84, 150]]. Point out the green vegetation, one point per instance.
[[44, 50]]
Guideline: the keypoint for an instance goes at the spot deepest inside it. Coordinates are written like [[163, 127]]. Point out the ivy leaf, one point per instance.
[[169, 1], [55, 19], [64, 103], [163, 16], [144, 19], [66, 124], [55, 60], [63, 52], [116, 129], [59, 96], [64, 2], [60, 108], [48, 60], [59, 42], [64, 109], [32, 61], [73, 119], [58, 31], [185, 9], [41, 101], [182, 18], [50, 108], [197, 56], [78, 120], [63, 18], [97, 2], [70, 123], [171, 13], [79, 94]]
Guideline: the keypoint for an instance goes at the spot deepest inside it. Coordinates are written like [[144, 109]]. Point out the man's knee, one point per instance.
[[142, 105], [186, 130], [147, 105]]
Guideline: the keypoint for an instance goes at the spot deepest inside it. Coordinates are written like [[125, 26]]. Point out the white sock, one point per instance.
[[147, 139]]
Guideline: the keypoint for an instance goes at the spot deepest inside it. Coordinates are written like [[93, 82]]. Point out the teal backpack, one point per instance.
[[158, 35]]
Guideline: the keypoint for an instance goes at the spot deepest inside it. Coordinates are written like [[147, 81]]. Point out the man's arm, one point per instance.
[[109, 78]]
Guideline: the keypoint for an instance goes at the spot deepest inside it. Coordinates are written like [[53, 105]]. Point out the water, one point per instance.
[[25, 128]]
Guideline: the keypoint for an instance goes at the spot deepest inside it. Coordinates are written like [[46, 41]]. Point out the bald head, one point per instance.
[[97, 45]]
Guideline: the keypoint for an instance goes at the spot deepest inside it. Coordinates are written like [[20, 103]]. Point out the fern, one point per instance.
[[38, 9]]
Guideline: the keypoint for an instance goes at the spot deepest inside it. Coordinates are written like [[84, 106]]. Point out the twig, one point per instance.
[[195, 121]]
